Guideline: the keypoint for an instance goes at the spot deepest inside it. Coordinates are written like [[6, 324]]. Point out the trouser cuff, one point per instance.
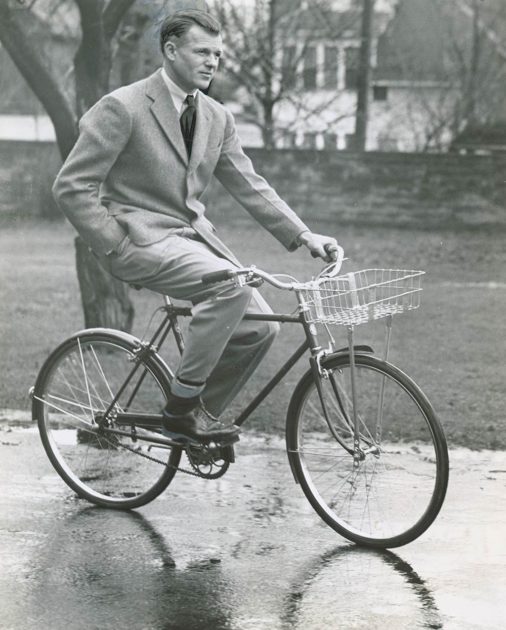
[[184, 390]]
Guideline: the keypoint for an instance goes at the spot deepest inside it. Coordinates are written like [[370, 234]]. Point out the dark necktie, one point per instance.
[[187, 122]]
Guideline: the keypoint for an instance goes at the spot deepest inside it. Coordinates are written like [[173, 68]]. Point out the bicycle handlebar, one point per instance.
[[227, 274], [218, 276]]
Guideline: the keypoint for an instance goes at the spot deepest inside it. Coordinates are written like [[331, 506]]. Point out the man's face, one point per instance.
[[192, 60]]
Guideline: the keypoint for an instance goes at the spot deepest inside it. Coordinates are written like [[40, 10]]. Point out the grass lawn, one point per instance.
[[454, 346]]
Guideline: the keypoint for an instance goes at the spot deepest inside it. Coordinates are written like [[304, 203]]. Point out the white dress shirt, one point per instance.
[[178, 95]]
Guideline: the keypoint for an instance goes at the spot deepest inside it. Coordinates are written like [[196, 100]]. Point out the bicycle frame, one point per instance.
[[170, 323]]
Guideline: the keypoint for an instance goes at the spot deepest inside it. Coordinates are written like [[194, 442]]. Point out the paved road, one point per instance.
[[242, 552]]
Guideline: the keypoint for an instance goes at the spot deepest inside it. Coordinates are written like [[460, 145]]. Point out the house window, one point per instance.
[[309, 75], [330, 141], [310, 140], [351, 57], [330, 67], [380, 93], [288, 66], [288, 139]]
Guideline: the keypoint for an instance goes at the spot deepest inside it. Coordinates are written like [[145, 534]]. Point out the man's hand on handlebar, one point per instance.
[[320, 246]]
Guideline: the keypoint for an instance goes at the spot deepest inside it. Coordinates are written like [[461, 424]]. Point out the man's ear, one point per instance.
[[169, 50]]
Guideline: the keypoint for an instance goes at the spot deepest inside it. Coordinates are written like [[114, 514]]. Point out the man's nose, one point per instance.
[[211, 61]]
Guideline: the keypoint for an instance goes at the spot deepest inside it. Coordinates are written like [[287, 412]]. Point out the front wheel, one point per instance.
[[380, 486], [104, 463]]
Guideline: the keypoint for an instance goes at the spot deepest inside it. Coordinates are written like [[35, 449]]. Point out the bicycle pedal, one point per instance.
[[227, 453], [228, 441]]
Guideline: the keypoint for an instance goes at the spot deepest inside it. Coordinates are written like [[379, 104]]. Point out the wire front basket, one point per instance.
[[361, 296]]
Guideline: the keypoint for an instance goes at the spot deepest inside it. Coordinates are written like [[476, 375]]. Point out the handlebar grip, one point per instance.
[[329, 250], [217, 276]]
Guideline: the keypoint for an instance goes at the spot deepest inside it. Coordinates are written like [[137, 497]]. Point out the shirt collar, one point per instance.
[[178, 95]]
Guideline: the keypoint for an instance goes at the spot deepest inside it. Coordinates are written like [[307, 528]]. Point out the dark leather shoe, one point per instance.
[[196, 426]]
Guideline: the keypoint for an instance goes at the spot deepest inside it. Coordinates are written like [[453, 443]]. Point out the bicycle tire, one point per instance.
[[404, 475], [75, 383]]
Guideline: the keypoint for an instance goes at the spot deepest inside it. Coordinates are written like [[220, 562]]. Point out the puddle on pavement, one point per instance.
[[115, 570], [257, 558]]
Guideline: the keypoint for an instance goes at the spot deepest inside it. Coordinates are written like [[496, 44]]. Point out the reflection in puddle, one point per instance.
[[360, 588], [103, 569]]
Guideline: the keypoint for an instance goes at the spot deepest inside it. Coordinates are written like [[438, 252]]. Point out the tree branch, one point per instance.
[[113, 14], [33, 66]]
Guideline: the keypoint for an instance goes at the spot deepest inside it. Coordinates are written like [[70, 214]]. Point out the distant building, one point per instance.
[[440, 67], [424, 90]]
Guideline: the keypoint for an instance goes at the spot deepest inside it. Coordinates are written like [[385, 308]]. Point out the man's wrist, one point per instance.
[[304, 237]]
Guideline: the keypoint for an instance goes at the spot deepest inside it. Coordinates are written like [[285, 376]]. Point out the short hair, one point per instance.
[[180, 22]]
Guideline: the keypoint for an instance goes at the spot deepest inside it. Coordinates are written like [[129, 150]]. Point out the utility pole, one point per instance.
[[364, 76]]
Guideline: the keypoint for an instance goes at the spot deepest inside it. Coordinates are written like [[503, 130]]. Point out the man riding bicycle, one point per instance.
[[132, 187]]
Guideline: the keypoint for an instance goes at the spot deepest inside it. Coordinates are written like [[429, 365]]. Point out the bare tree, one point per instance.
[[105, 300], [267, 51]]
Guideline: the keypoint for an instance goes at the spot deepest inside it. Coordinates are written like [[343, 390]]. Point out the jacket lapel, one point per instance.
[[201, 135], [164, 111]]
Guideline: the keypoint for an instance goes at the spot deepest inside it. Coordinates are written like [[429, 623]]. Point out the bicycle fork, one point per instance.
[[353, 422]]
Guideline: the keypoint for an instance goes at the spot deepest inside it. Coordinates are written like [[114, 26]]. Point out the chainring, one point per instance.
[[210, 461]]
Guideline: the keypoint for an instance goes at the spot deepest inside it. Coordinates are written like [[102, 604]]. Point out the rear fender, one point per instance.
[[89, 332]]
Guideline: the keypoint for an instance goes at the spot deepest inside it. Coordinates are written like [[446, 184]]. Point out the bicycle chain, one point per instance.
[[162, 463]]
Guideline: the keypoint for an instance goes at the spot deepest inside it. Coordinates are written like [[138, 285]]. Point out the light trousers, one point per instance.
[[222, 349]]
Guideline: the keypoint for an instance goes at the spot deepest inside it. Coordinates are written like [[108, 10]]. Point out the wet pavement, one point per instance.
[[242, 552]]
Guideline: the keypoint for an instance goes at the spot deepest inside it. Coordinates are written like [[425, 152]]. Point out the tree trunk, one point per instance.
[[472, 79], [105, 300], [268, 126], [268, 106], [364, 74]]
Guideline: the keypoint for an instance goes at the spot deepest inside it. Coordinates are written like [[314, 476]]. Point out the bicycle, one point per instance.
[[98, 400]]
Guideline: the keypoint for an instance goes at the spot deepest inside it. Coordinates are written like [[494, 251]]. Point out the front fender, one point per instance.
[[358, 349]]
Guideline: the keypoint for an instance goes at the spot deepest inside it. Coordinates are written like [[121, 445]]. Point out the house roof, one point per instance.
[[412, 44], [424, 36], [326, 23]]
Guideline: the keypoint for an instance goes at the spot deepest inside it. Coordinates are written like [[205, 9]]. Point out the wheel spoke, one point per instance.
[[85, 376], [65, 412], [99, 365]]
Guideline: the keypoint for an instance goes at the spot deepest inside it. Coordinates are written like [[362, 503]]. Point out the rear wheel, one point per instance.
[[389, 495], [75, 387]]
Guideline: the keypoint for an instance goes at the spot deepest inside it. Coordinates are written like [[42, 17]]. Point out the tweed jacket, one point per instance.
[[129, 172]]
